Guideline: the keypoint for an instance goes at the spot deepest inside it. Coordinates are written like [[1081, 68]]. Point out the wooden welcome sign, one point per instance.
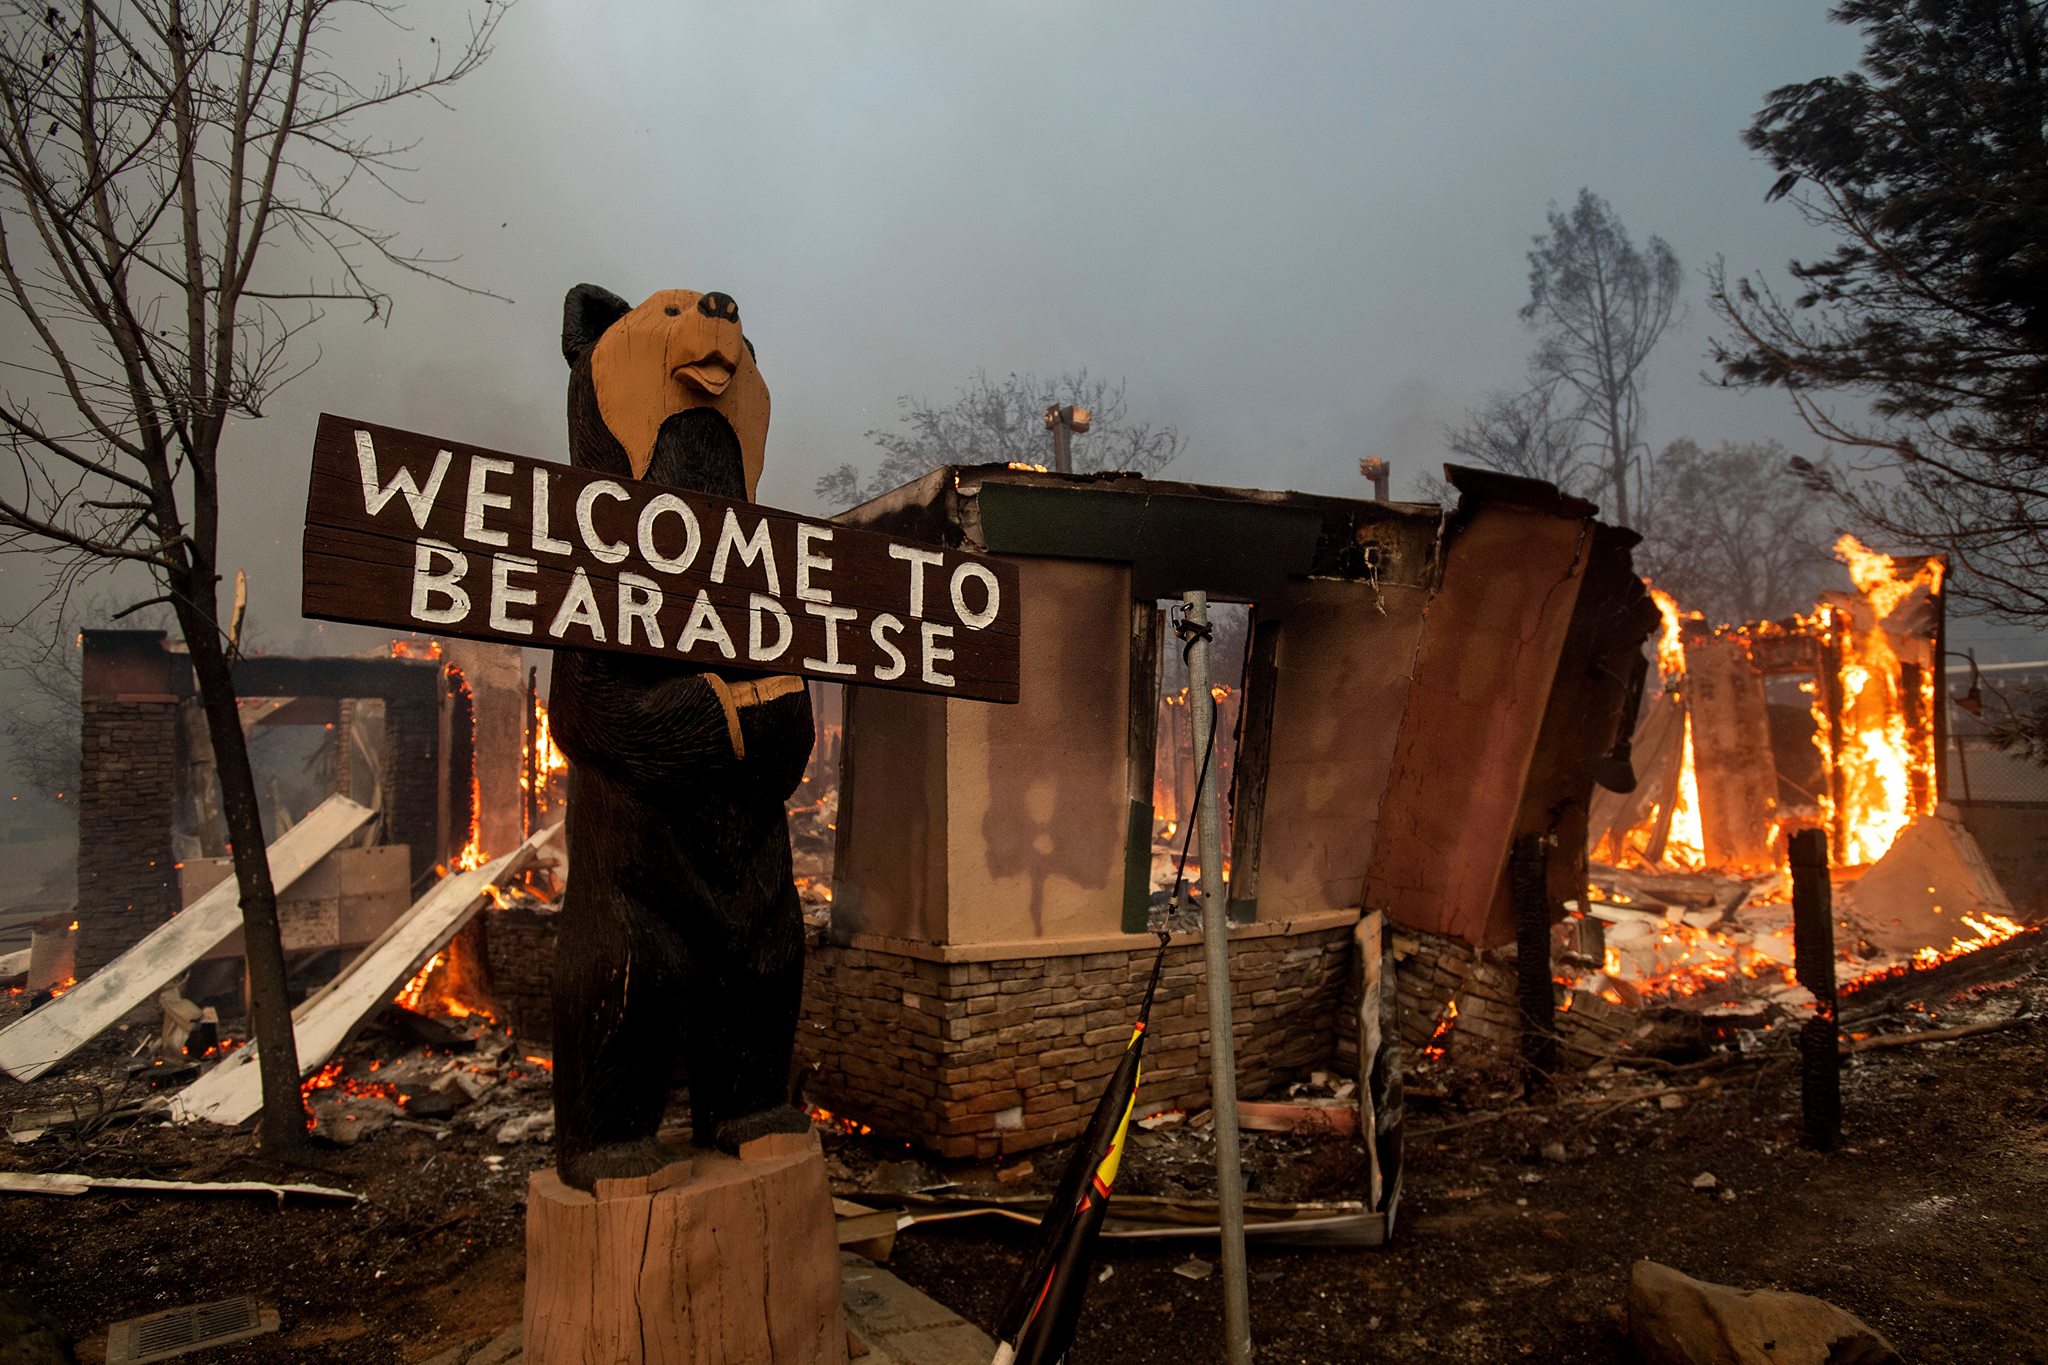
[[422, 534]]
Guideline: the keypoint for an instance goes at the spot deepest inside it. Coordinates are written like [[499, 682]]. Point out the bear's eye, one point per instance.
[[673, 311]]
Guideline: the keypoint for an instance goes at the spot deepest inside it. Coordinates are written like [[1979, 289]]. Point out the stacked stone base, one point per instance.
[[982, 1059]]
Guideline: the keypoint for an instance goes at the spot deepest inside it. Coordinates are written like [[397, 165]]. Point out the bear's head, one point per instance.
[[668, 391]]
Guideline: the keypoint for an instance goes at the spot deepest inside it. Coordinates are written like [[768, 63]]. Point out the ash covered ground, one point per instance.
[[1931, 1223]]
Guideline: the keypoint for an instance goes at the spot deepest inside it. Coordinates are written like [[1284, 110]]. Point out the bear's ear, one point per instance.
[[586, 313]]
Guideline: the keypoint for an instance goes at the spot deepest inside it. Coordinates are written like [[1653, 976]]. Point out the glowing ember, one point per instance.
[[1985, 930], [836, 1123], [330, 1077]]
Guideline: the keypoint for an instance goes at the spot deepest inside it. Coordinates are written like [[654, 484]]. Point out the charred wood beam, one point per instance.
[[1248, 773], [1528, 869], [1813, 947], [1140, 755]]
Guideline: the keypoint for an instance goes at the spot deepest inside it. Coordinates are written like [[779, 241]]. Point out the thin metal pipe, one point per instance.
[[1237, 1328]]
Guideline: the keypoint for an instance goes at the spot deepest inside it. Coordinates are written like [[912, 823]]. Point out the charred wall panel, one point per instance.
[[1342, 684], [1482, 681]]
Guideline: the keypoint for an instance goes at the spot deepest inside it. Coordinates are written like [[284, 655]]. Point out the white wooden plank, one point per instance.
[[46, 1036], [233, 1090], [25, 1182]]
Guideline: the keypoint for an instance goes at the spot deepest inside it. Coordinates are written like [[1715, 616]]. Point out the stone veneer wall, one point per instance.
[[128, 782], [980, 1059]]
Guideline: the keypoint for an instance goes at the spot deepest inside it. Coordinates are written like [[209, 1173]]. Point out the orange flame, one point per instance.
[[1440, 1040], [1685, 835], [1885, 773], [1670, 642], [414, 991], [552, 763]]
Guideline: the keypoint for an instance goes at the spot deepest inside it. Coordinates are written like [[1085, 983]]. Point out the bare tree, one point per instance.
[[176, 182], [1002, 421], [1734, 533], [1599, 306], [1525, 433]]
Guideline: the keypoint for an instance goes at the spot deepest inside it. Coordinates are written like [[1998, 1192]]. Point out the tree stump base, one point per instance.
[[712, 1259]]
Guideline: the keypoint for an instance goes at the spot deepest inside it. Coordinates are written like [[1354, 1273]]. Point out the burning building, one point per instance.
[[1404, 675], [1834, 720]]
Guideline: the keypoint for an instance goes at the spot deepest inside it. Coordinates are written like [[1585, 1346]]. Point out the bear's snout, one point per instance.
[[710, 372]]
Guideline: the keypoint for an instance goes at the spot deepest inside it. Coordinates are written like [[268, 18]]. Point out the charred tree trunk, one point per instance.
[[283, 1127]]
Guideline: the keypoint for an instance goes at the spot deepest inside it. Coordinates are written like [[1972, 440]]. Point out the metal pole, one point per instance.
[[1237, 1328], [1062, 447]]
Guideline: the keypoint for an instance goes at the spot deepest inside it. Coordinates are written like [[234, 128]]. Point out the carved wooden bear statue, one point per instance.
[[681, 934]]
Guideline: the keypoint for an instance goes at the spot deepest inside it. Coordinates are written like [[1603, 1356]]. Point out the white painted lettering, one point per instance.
[[918, 561], [760, 607], [992, 595], [543, 543], [402, 484], [705, 627], [481, 467], [832, 617], [752, 549], [607, 551], [579, 608], [639, 600], [448, 583], [934, 656], [504, 595], [892, 670], [806, 561], [668, 502]]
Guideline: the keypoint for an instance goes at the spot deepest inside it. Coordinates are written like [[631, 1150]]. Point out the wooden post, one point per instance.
[[1919, 740], [1140, 758], [533, 756], [1528, 877], [1731, 745], [1832, 701], [712, 1258], [1248, 777], [1813, 946], [1379, 1064]]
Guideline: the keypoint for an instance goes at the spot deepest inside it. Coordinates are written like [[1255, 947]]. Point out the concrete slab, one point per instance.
[[903, 1327]]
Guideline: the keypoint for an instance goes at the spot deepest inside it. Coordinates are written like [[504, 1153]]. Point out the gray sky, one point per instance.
[[1297, 232]]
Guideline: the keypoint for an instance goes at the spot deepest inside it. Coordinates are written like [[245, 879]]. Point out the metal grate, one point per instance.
[[160, 1336]]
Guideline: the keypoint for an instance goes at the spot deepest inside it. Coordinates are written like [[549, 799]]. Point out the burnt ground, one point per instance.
[[1931, 1223]]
